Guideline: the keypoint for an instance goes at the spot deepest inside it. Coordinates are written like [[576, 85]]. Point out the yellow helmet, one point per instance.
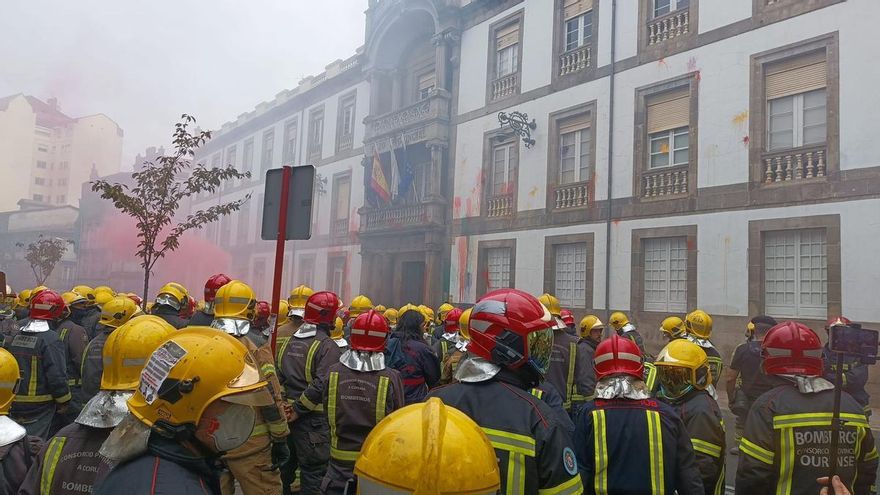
[[150, 305], [283, 309], [85, 291], [104, 288], [338, 329], [360, 304], [552, 304], [425, 437], [235, 300], [442, 310], [24, 298], [699, 324], [409, 307], [172, 294], [71, 298], [195, 380], [117, 311], [379, 308], [9, 377], [589, 323], [672, 327], [464, 322], [103, 297], [427, 312], [298, 298], [36, 290], [128, 348], [618, 319], [682, 366], [390, 315]]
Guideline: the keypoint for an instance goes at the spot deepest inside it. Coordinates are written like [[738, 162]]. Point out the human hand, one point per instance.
[[837, 486]]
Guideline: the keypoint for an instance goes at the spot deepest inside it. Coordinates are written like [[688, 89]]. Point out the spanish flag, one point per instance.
[[377, 179]]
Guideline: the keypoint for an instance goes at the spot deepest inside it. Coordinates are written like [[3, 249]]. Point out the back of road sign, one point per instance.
[[299, 204]]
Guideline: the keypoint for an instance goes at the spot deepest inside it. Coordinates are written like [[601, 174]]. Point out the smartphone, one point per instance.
[[856, 341]]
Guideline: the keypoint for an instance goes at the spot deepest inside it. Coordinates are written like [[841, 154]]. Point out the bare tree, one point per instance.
[[158, 190], [43, 254]]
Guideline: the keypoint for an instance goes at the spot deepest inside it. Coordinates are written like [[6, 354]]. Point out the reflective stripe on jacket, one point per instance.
[[705, 425], [43, 364], [69, 463], [569, 371]]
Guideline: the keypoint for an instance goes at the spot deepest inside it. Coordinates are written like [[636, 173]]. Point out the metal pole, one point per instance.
[[279, 252], [835, 416], [610, 162]]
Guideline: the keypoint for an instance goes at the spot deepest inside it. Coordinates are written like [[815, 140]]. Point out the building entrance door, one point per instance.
[[412, 284]]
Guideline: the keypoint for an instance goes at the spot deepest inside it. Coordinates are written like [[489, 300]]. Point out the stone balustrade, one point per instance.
[[572, 195], [339, 228], [800, 164], [345, 142], [575, 60], [499, 206], [669, 26], [393, 217], [504, 86], [667, 181]]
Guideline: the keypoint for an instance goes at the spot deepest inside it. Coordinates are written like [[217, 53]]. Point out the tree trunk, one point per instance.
[[146, 289]]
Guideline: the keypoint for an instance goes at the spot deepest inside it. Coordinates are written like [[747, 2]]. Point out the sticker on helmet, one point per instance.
[[568, 460], [157, 369]]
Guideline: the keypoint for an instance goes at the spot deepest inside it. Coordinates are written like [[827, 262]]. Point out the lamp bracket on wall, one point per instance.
[[518, 124]]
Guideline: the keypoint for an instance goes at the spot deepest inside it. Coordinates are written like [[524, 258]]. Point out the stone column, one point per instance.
[[396, 89], [441, 42], [433, 267], [436, 148]]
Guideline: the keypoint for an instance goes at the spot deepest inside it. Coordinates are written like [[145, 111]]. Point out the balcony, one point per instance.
[[423, 120], [505, 86], [339, 228], [794, 165], [382, 220], [669, 26], [345, 142], [499, 206], [575, 60], [668, 181], [572, 195]]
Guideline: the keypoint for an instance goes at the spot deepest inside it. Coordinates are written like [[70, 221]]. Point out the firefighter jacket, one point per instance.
[[259, 340], [308, 354], [635, 446], [86, 318], [8, 326], [587, 349], [354, 402], [69, 463], [443, 347], [703, 422], [16, 459], [449, 365], [93, 363], [201, 319], [747, 361], [171, 315], [855, 375], [283, 338], [421, 369], [629, 331], [22, 314], [716, 364], [167, 468], [534, 452], [547, 393], [43, 364], [785, 444], [271, 422], [75, 341], [570, 372]]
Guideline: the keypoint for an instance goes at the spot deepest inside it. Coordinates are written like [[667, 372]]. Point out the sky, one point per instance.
[[143, 63]]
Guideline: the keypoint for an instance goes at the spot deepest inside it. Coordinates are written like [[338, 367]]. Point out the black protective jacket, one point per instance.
[[93, 363], [75, 341], [87, 318], [747, 362], [785, 444], [69, 464], [570, 371], [42, 359], [167, 468], [201, 319], [534, 451], [305, 359], [421, 369], [855, 375], [171, 315], [16, 459], [703, 421]]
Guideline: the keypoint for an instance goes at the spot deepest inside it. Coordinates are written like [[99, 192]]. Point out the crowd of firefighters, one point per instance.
[[102, 393]]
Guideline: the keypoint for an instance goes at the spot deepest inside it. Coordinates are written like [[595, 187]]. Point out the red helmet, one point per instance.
[[791, 348], [261, 316], [510, 328], [450, 323], [567, 316], [837, 321], [47, 305], [213, 285], [321, 308], [617, 355], [136, 298], [188, 308], [368, 332]]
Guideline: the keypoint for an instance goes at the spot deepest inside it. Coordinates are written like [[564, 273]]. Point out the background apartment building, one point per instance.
[[45, 155], [686, 154]]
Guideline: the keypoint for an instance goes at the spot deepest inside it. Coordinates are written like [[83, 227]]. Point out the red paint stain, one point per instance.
[[615, 222], [662, 62], [469, 208], [697, 76], [745, 140], [692, 246], [692, 64], [456, 206]]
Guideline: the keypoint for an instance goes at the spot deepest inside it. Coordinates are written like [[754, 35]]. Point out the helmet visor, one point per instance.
[[367, 486], [540, 347], [675, 380]]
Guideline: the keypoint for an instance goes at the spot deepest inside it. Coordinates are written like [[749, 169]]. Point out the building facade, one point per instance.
[[684, 154], [45, 155], [19, 228]]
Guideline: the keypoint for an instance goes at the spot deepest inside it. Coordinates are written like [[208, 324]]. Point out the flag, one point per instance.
[[377, 179], [407, 172], [394, 183]]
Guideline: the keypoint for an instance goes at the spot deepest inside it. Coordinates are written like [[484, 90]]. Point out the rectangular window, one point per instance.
[[507, 50], [268, 149], [247, 156], [796, 102], [498, 268], [669, 148], [341, 205], [41, 164], [244, 223], [668, 128], [666, 274], [571, 274], [259, 275], [38, 197], [336, 275], [663, 7], [231, 159], [39, 181], [306, 271], [796, 274], [348, 116], [578, 15], [43, 149], [215, 160], [426, 84], [60, 199], [502, 169], [316, 134], [225, 231], [291, 128], [574, 153]]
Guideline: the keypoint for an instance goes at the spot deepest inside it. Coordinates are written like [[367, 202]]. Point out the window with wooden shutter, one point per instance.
[[574, 8], [669, 110], [507, 36], [796, 102], [796, 76]]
